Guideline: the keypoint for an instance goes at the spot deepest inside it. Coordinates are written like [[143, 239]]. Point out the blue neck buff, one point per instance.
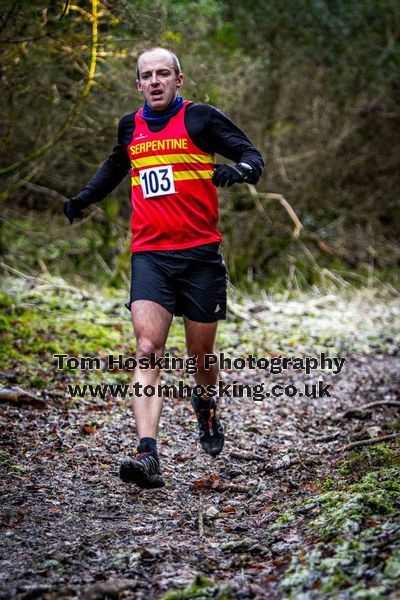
[[155, 116]]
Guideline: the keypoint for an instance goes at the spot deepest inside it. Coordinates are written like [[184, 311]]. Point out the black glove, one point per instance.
[[73, 209], [229, 174]]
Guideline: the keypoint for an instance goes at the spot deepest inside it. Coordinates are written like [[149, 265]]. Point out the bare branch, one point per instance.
[[380, 403], [369, 441], [45, 190], [289, 209], [74, 112]]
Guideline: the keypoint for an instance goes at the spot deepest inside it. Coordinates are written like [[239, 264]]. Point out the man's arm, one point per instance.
[[110, 174], [212, 131]]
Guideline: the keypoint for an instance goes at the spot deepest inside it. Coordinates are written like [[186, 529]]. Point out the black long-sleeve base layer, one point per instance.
[[209, 129]]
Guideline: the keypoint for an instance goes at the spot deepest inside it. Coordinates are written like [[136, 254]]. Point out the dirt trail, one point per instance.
[[71, 528]]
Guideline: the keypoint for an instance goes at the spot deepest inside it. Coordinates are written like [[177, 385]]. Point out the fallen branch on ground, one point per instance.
[[369, 441], [353, 413], [244, 456], [362, 412], [329, 437], [201, 522], [381, 403], [19, 396]]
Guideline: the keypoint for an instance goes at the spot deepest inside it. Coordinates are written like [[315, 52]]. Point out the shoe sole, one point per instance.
[[131, 472], [215, 452]]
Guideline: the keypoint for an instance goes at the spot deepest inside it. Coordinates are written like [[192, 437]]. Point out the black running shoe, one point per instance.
[[211, 432], [143, 469]]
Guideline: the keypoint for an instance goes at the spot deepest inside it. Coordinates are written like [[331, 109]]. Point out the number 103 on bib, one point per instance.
[[157, 181]]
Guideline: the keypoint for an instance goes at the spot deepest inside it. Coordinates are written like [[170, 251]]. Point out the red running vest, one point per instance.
[[174, 202]]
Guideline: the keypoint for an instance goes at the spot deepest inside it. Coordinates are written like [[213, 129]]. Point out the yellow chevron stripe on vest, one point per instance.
[[183, 176], [168, 159]]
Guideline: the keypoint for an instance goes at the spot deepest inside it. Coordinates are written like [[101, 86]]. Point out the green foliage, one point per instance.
[[350, 524], [5, 462], [314, 84], [283, 520], [201, 587], [365, 460]]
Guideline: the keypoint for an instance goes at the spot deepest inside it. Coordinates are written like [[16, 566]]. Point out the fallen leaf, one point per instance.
[[370, 523], [281, 560], [313, 487], [88, 429], [228, 509], [199, 483], [270, 578]]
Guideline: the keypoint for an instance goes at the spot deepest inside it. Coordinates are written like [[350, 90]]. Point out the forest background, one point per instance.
[[305, 499], [315, 84]]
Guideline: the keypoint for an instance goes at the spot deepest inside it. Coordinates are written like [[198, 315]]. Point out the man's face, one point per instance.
[[158, 81]]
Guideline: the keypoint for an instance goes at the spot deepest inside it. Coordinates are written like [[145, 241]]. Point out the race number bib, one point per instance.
[[157, 181]]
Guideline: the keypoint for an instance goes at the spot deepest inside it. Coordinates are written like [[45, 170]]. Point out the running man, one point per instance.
[[176, 269]]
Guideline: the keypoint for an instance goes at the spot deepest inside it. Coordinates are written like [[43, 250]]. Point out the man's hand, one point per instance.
[[73, 209], [229, 174]]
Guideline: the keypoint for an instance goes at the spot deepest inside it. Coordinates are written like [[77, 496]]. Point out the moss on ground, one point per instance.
[[365, 460], [40, 321], [356, 525], [12, 467], [201, 587], [281, 521], [360, 503], [46, 316]]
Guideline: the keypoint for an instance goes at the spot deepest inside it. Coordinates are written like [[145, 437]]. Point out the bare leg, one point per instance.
[[151, 323], [200, 340]]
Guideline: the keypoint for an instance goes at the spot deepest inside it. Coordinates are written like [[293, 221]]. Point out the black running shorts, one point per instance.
[[190, 282]]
